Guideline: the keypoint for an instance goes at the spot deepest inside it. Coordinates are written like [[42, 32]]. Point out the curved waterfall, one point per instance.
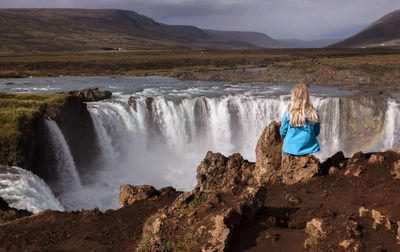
[[156, 131], [161, 140], [24, 190]]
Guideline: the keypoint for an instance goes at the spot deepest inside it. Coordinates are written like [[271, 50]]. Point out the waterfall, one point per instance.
[[160, 141], [391, 134], [24, 190], [67, 176]]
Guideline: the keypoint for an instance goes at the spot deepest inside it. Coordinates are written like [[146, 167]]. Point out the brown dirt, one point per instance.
[[280, 225], [93, 230], [335, 199]]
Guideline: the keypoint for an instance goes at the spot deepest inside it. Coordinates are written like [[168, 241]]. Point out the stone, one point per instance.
[[379, 219], [314, 228], [362, 212], [346, 243], [217, 172], [398, 233], [268, 153], [299, 168], [132, 103], [225, 196], [396, 170], [91, 94], [128, 194], [3, 204], [292, 199], [333, 170], [376, 159], [332, 164]]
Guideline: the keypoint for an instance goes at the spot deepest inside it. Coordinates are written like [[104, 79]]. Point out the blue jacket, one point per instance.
[[299, 140]]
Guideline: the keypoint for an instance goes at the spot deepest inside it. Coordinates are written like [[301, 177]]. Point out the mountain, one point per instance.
[[85, 29], [254, 38], [297, 43], [384, 32]]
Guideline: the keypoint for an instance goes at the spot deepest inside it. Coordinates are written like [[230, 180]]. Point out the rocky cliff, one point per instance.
[[294, 204], [24, 137]]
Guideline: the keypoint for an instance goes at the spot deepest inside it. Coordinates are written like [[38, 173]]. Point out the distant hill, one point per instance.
[[85, 29], [385, 32], [297, 43], [254, 38]]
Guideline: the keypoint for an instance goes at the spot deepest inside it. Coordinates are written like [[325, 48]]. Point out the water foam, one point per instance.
[[24, 190]]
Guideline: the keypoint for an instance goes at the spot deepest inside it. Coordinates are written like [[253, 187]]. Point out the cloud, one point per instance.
[[303, 19]]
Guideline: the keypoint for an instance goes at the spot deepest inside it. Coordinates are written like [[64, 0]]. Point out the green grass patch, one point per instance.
[[195, 202], [19, 112]]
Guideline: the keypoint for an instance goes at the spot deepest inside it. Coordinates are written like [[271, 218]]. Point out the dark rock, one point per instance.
[[91, 94], [3, 204], [8, 214], [132, 103], [268, 153], [332, 162], [149, 101]]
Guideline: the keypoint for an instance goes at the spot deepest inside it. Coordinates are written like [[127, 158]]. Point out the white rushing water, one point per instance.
[[164, 134], [24, 190], [68, 181]]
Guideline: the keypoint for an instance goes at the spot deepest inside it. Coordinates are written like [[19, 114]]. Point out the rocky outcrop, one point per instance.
[[268, 153], [226, 195], [31, 149], [129, 194], [362, 119], [91, 94], [8, 213], [298, 169], [270, 167]]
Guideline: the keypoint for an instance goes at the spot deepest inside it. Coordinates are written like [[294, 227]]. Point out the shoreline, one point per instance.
[[350, 68]]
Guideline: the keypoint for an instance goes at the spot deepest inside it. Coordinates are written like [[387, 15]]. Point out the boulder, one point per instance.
[[132, 103], [217, 172], [128, 194], [204, 219], [268, 153], [91, 94], [298, 168]]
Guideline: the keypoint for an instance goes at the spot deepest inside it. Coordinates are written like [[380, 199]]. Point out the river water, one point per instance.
[[164, 132]]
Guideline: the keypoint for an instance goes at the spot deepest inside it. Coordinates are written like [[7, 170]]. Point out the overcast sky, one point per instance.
[[281, 19]]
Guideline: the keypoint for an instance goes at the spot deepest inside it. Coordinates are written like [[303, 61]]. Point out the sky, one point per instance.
[[280, 19]]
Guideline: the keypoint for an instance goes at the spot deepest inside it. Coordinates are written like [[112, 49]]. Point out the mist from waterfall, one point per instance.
[[157, 130]]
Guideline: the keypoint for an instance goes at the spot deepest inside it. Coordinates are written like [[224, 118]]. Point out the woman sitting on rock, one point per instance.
[[300, 124]]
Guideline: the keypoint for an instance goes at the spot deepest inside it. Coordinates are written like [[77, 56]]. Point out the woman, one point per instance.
[[300, 124]]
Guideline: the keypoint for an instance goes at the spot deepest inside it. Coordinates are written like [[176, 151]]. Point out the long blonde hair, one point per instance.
[[300, 103]]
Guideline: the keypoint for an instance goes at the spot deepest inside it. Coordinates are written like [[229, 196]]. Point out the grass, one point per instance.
[[287, 65], [18, 113], [195, 202]]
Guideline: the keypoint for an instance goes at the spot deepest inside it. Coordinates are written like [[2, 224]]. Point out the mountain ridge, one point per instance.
[[92, 29], [384, 32]]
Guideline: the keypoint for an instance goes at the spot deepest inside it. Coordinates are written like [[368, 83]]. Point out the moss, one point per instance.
[[197, 200], [19, 114], [145, 244], [9, 215]]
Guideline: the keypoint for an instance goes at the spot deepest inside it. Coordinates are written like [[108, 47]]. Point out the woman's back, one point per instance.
[[299, 140], [300, 124]]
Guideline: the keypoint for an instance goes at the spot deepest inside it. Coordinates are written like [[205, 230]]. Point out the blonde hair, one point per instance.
[[300, 103]]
